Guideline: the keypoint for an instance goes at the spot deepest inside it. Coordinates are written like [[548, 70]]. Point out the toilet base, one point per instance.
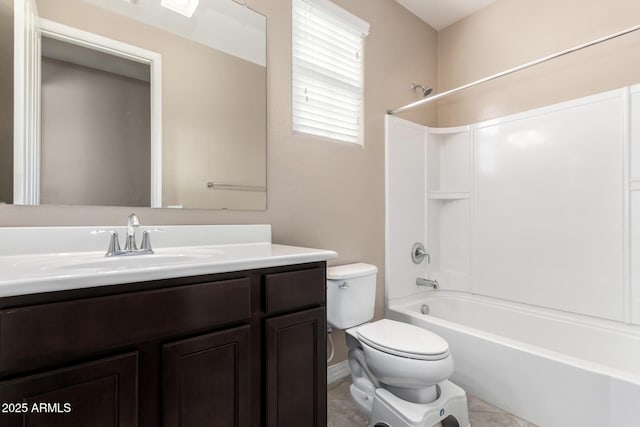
[[389, 410]]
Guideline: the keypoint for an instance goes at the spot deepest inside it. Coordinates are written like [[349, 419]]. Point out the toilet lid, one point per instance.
[[403, 339]]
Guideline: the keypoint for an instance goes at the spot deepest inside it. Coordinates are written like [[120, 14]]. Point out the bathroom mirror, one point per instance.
[[133, 103]]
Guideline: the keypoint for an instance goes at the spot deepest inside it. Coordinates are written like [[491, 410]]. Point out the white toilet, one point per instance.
[[399, 371]]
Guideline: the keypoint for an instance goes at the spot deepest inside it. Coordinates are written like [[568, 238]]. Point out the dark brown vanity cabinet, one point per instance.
[[241, 349], [295, 356]]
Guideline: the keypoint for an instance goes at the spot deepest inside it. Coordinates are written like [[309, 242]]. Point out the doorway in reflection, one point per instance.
[[95, 128]]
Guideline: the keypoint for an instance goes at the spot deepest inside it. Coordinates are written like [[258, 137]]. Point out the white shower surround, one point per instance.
[[436, 192]]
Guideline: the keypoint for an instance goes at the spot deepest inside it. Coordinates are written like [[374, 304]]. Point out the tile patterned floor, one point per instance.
[[343, 412]]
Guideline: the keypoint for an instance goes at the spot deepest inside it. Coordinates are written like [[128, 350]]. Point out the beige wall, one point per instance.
[[214, 115], [95, 137], [512, 32], [6, 101], [320, 194]]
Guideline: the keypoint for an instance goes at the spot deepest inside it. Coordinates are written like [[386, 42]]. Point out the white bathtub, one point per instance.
[[548, 367]]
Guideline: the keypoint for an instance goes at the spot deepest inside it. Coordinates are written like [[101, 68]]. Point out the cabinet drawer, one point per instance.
[[294, 289], [37, 336]]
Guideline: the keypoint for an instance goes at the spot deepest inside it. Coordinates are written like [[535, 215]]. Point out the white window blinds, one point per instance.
[[327, 70]]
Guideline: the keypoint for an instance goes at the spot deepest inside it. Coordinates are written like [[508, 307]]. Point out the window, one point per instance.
[[327, 70]]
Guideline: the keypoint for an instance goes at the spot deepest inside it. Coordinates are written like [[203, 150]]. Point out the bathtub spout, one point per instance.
[[427, 282]]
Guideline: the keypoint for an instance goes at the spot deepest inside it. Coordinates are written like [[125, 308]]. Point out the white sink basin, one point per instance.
[[136, 261]]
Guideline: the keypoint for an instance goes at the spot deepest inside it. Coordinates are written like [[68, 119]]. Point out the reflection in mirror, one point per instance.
[[139, 105], [95, 128]]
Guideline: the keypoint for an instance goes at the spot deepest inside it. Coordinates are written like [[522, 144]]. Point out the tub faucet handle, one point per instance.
[[418, 253]]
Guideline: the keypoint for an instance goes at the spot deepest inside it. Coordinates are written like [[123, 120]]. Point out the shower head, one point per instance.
[[426, 90]]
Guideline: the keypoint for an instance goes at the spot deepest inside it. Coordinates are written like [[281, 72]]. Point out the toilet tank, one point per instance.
[[351, 294]]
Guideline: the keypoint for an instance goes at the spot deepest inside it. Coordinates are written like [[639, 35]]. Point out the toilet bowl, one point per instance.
[[405, 358], [402, 358], [399, 371]]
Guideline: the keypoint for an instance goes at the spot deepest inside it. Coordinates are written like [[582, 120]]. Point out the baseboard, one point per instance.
[[338, 371]]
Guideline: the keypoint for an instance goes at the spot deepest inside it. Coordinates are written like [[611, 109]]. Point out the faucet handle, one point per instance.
[[146, 242], [114, 242]]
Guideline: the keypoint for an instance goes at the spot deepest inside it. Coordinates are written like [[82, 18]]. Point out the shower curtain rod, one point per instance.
[[513, 70]]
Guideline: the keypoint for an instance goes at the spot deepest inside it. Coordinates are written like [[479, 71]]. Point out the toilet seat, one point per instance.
[[404, 340]]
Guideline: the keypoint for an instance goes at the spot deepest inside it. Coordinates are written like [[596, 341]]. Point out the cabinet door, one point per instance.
[[97, 394], [296, 369], [206, 380]]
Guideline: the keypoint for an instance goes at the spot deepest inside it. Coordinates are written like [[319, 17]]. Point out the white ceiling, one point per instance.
[[442, 13], [225, 25]]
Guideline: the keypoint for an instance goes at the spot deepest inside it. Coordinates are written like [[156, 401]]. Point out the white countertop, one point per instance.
[[25, 271], [30, 274]]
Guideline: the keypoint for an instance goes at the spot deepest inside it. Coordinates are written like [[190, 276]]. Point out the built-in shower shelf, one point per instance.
[[448, 195], [635, 185], [448, 131]]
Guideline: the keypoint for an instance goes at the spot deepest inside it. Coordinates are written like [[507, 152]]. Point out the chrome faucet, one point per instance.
[[427, 282], [130, 246], [133, 223]]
